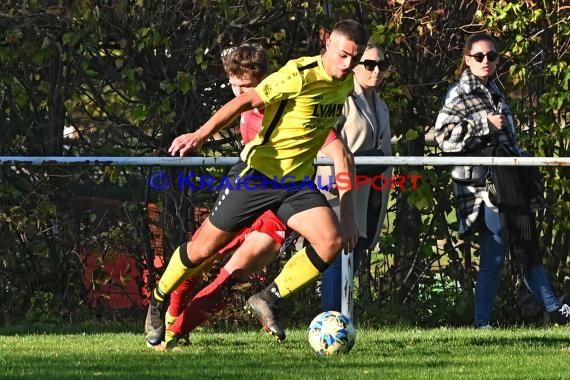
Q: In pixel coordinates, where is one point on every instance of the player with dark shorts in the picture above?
(302, 102)
(255, 246)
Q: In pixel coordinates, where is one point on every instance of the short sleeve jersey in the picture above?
(302, 104)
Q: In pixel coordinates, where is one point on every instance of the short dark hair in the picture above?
(245, 59)
(351, 29)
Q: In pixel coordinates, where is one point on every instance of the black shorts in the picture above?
(236, 170)
(253, 193)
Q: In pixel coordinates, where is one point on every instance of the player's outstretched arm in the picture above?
(191, 142)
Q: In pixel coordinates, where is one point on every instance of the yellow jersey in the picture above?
(302, 105)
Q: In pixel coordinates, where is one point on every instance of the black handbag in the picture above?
(370, 170)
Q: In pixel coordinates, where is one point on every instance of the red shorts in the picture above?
(267, 223)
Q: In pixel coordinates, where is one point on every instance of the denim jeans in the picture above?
(331, 283)
(493, 254)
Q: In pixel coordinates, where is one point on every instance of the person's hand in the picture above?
(498, 121)
(349, 231)
(188, 142)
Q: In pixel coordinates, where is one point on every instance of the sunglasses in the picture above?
(370, 64)
(492, 56)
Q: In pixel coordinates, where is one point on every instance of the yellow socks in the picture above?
(175, 273)
(298, 272)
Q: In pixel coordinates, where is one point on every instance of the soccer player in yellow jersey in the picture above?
(302, 102)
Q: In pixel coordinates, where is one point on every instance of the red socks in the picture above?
(180, 297)
(207, 302)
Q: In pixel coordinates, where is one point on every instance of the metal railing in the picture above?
(228, 161)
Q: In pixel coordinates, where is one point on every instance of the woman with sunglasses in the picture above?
(365, 127)
(475, 120)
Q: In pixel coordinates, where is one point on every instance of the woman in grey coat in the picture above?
(365, 127)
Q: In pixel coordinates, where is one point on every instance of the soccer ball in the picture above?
(332, 333)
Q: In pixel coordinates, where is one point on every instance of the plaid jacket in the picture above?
(462, 117)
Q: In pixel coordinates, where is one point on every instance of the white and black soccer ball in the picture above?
(332, 333)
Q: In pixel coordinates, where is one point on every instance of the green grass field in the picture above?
(390, 353)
